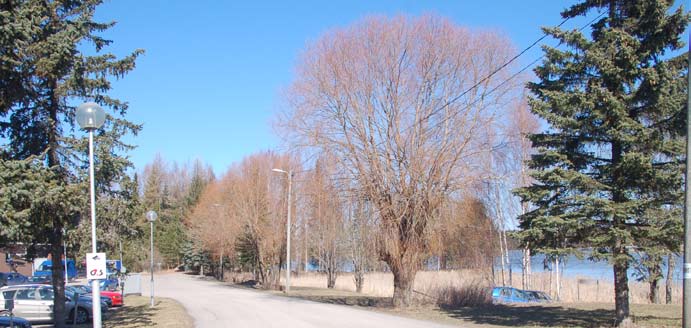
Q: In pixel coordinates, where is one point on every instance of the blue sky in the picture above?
(211, 79)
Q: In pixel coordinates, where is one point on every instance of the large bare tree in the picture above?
(404, 104)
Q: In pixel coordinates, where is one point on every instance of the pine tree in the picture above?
(611, 158)
(42, 72)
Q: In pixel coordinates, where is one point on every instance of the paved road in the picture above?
(214, 305)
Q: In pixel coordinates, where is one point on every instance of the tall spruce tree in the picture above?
(608, 171)
(43, 74)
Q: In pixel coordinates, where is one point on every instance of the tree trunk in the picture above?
(621, 291)
(507, 258)
(526, 268)
(403, 278)
(655, 277)
(58, 274)
(668, 280)
(501, 251)
(654, 292)
(557, 277)
(56, 234)
(331, 279)
(443, 262)
(359, 277)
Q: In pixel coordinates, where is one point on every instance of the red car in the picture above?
(116, 297)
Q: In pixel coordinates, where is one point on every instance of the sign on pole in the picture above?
(95, 266)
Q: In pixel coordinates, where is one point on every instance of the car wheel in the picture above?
(82, 316)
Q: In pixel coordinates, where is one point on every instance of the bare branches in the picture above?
(377, 95)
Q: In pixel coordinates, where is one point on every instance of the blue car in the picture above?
(16, 322)
(509, 295)
(110, 284)
(11, 278)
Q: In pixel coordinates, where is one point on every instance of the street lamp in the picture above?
(151, 217)
(290, 185)
(90, 116)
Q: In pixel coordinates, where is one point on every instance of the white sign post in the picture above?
(95, 266)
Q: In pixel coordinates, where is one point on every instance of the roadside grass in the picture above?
(552, 315)
(450, 297)
(548, 315)
(137, 314)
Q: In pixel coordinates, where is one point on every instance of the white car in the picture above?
(35, 303)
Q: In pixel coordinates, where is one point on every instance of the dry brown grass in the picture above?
(574, 290)
(455, 303)
(137, 314)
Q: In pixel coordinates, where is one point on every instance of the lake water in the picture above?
(573, 267)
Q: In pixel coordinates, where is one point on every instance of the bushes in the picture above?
(472, 295)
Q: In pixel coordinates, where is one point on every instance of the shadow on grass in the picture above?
(503, 315)
(539, 316)
(365, 301)
(328, 296)
(131, 316)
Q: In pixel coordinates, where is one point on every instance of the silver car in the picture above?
(35, 303)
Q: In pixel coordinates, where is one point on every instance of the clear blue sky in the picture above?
(210, 81)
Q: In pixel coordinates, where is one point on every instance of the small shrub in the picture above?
(473, 295)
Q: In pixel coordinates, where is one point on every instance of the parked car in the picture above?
(508, 295)
(538, 296)
(110, 284)
(46, 269)
(18, 322)
(38, 280)
(11, 278)
(115, 297)
(35, 303)
(105, 301)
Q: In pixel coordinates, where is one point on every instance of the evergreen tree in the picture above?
(42, 72)
(611, 159)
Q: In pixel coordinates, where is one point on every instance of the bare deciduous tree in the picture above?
(404, 104)
(523, 123)
(244, 214)
(327, 218)
(359, 225)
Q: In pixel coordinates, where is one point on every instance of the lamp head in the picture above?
(151, 216)
(90, 116)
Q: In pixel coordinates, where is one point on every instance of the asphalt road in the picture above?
(212, 304)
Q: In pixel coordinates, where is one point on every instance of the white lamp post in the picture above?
(151, 217)
(290, 185)
(90, 116)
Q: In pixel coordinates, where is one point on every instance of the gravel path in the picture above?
(212, 304)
